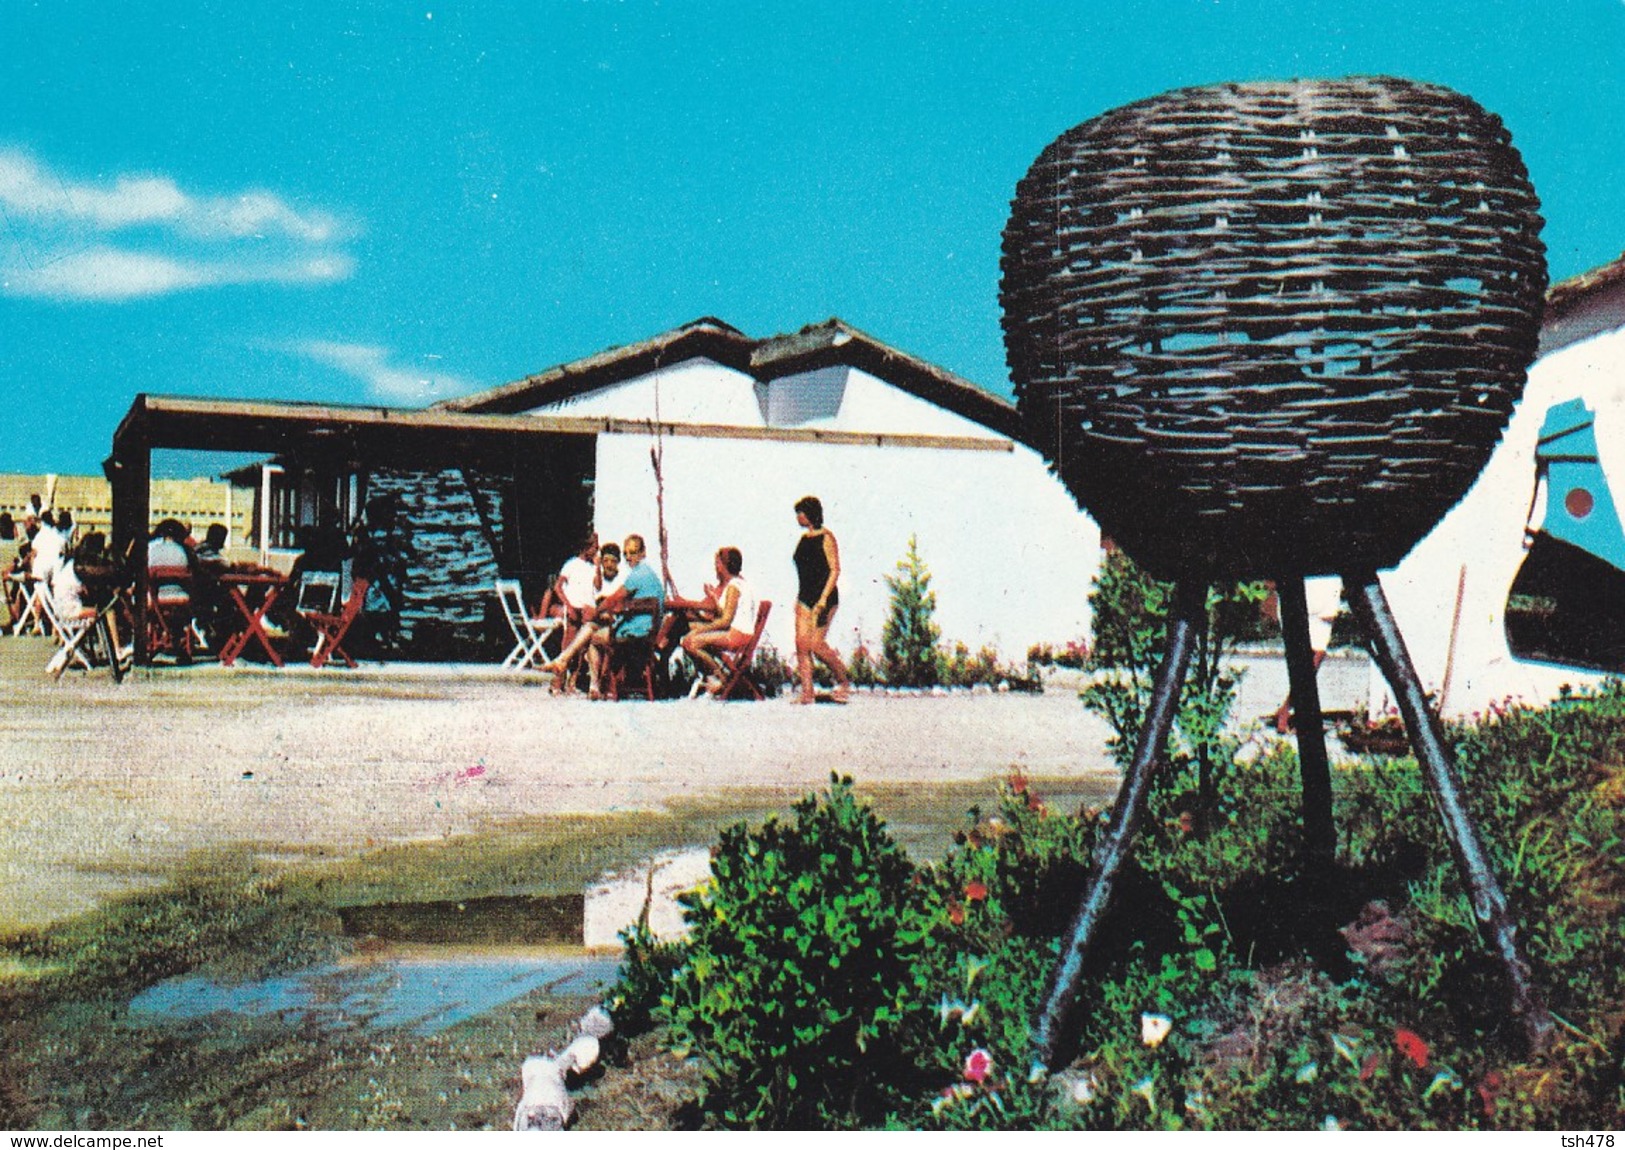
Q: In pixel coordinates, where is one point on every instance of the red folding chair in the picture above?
(169, 612)
(331, 627)
(736, 663)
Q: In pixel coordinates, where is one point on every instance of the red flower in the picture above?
(956, 912)
(1034, 803)
(975, 891)
(1489, 1090)
(1412, 1046)
(1369, 1067)
(978, 1066)
(1187, 823)
(1018, 782)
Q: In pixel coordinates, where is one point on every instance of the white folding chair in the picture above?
(37, 611)
(529, 634)
(72, 645)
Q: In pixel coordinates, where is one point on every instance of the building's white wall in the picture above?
(846, 399)
(1484, 535)
(1010, 555)
(830, 399)
(694, 391)
(875, 405)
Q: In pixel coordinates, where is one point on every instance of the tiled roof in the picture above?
(831, 343)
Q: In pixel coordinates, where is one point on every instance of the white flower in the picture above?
(1154, 1028)
(1147, 1088)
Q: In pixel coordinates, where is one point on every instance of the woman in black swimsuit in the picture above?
(818, 568)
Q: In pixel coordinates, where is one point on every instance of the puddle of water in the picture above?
(417, 993)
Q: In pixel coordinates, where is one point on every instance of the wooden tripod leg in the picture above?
(1427, 739)
(1189, 617)
(1319, 834)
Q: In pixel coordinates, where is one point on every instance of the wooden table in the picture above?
(237, 582)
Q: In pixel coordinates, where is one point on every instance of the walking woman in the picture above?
(818, 569)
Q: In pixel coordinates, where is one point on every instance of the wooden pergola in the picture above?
(373, 436)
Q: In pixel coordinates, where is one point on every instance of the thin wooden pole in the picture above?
(1319, 833)
(1427, 739)
(1190, 616)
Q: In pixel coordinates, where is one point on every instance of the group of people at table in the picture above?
(197, 599)
(609, 596)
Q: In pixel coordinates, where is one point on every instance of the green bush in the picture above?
(909, 638)
(796, 975)
(647, 966)
(832, 983)
(861, 668)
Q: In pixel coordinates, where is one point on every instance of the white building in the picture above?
(1450, 594)
(893, 447)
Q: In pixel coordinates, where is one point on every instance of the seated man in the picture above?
(574, 593)
(729, 627)
(167, 550)
(212, 549)
(214, 611)
(169, 556)
(634, 605)
(605, 583)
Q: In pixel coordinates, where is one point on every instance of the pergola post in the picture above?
(129, 472)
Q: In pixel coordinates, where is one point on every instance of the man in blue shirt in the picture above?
(641, 583)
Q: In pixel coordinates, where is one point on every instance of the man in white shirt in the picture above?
(49, 543)
(577, 584)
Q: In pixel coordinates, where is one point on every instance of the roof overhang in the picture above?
(419, 438)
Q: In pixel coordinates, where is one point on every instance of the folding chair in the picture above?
(319, 592)
(736, 663)
(76, 638)
(169, 612)
(529, 633)
(36, 607)
(331, 627)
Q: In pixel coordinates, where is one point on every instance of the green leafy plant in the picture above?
(1074, 653)
(770, 670)
(647, 966)
(1229, 989)
(909, 637)
(796, 976)
(1131, 612)
(861, 667)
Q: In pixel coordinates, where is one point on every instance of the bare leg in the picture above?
(831, 657)
(597, 659)
(583, 636)
(1427, 739)
(806, 640)
(1189, 614)
(695, 643)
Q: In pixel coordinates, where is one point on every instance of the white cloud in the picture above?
(385, 379)
(112, 274)
(143, 235)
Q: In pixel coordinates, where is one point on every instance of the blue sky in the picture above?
(392, 202)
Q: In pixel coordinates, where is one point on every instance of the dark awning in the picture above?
(400, 436)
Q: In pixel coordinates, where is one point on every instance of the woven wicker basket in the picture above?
(1273, 328)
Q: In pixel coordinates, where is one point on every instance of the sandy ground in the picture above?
(103, 783)
(106, 785)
